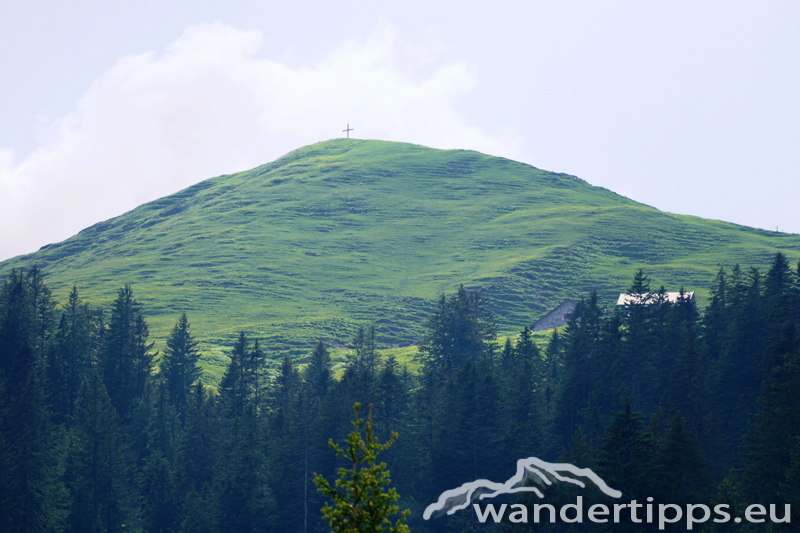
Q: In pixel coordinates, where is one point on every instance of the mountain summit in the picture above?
(348, 231)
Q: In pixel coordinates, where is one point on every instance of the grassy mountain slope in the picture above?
(349, 231)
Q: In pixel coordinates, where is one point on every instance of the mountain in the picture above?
(347, 232)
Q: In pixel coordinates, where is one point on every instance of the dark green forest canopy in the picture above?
(345, 232)
(662, 399)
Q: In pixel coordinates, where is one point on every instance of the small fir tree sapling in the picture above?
(361, 503)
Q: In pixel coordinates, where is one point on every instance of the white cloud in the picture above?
(209, 105)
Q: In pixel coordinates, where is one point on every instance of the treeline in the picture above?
(100, 433)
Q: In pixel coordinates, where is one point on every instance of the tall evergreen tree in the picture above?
(738, 371)
(99, 470)
(233, 388)
(782, 305)
(195, 446)
(72, 354)
(462, 328)
(684, 470)
(317, 374)
(127, 359)
(161, 512)
(32, 496)
(244, 502)
(581, 340)
(715, 318)
(17, 318)
(524, 402)
(179, 364)
(774, 430)
(43, 306)
(365, 353)
(626, 458)
(255, 374)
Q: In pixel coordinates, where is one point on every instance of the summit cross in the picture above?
(348, 130)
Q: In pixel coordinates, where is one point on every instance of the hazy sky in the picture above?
(691, 107)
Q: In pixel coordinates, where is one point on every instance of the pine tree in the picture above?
(774, 430)
(17, 318)
(739, 373)
(462, 328)
(127, 359)
(162, 423)
(524, 402)
(255, 373)
(100, 466)
(715, 318)
(782, 304)
(627, 454)
(285, 388)
(391, 408)
(685, 477)
(195, 447)
(363, 344)
(160, 503)
(730, 493)
(639, 363)
(243, 501)
(179, 364)
(233, 385)
(197, 513)
(581, 341)
(43, 306)
(391, 393)
(32, 496)
(318, 372)
(71, 356)
(361, 503)
(290, 425)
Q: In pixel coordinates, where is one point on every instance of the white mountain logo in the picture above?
(532, 470)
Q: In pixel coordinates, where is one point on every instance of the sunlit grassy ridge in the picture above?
(347, 232)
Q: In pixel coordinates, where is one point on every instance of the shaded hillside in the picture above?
(349, 231)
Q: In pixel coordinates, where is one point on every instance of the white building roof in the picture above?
(672, 297)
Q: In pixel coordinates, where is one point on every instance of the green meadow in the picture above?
(349, 232)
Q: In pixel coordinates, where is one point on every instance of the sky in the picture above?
(690, 107)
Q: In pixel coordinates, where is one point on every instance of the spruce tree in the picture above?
(127, 360)
(626, 458)
(524, 402)
(233, 385)
(361, 502)
(160, 511)
(43, 306)
(255, 374)
(243, 501)
(100, 466)
(195, 446)
(317, 374)
(581, 340)
(71, 357)
(684, 470)
(17, 318)
(179, 364)
(365, 353)
(461, 328)
(32, 497)
(730, 493)
(197, 514)
(774, 430)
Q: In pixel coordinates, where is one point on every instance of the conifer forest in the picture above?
(99, 432)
